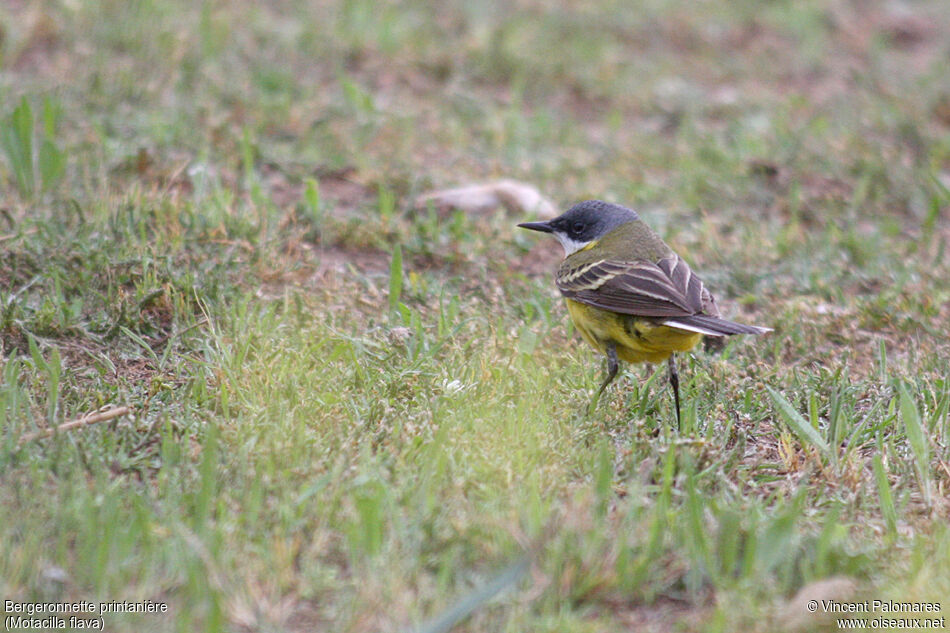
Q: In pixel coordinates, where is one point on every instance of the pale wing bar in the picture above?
(683, 278)
(663, 289)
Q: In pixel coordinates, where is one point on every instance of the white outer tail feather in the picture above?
(707, 332)
(692, 328)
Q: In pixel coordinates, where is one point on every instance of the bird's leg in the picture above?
(675, 382)
(612, 366)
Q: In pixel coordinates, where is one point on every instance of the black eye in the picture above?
(578, 227)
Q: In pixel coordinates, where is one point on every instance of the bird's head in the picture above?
(584, 223)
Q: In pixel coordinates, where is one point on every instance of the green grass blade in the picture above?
(17, 139)
(697, 528)
(52, 113)
(887, 500)
(395, 278)
(36, 355)
(142, 343)
(917, 439)
(312, 195)
(52, 164)
(802, 428)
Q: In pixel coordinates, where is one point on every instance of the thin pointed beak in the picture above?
(544, 227)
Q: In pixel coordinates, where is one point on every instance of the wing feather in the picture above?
(667, 288)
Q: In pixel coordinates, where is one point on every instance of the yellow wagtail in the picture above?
(630, 296)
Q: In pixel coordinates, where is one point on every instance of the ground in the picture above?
(353, 412)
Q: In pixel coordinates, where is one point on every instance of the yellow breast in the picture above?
(638, 339)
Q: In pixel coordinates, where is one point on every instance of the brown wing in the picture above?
(667, 288)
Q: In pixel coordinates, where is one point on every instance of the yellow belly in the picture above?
(638, 339)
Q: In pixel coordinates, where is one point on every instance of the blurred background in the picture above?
(354, 410)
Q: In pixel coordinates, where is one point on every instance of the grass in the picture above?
(351, 414)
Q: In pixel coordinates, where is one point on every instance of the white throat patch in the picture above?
(570, 246)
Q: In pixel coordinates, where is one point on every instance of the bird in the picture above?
(631, 297)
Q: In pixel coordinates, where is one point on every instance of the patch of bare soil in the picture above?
(343, 186)
(338, 260)
(40, 47)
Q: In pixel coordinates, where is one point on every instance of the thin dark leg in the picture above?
(612, 366)
(675, 381)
